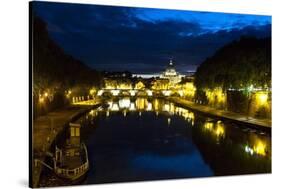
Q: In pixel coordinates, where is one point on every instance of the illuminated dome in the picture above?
(170, 70)
(171, 74)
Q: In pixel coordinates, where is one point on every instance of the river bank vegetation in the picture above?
(237, 78)
(57, 76)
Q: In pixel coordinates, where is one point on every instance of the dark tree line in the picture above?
(239, 64)
(52, 65)
(57, 71)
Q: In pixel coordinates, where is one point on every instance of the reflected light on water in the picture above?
(249, 150)
(115, 107)
(166, 107)
(149, 106)
(156, 105)
(260, 148)
(219, 131)
(124, 103)
(140, 103)
(132, 106)
(124, 113)
(169, 121)
(209, 126)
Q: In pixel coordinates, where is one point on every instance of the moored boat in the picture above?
(71, 161)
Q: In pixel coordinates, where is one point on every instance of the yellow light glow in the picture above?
(216, 96)
(156, 104)
(132, 107)
(139, 85)
(141, 103)
(262, 97)
(132, 92)
(92, 91)
(149, 92)
(115, 92)
(166, 108)
(100, 92)
(41, 100)
(149, 106)
(46, 94)
(260, 148)
(124, 86)
(115, 107)
(208, 125)
(219, 130)
(189, 89)
(180, 93)
(166, 92)
(124, 103)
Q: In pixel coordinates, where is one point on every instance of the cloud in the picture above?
(117, 38)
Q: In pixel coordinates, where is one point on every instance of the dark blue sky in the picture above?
(142, 40)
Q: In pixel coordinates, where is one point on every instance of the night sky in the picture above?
(142, 40)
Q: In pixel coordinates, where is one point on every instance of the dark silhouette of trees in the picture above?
(55, 71)
(239, 69)
(239, 64)
(52, 66)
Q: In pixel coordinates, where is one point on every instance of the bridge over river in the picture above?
(138, 92)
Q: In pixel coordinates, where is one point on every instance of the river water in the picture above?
(149, 139)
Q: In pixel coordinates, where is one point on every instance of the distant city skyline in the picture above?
(143, 40)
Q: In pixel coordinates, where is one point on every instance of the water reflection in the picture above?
(137, 138)
(257, 146)
(143, 104)
(253, 144)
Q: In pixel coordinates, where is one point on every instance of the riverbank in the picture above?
(261, 123)
(45, 130)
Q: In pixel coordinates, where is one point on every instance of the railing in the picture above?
(77, 171)
(73, 172)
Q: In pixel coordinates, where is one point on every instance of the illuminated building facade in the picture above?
(171, 74)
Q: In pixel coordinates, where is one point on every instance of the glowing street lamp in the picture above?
(262, 97)
(41, 100)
